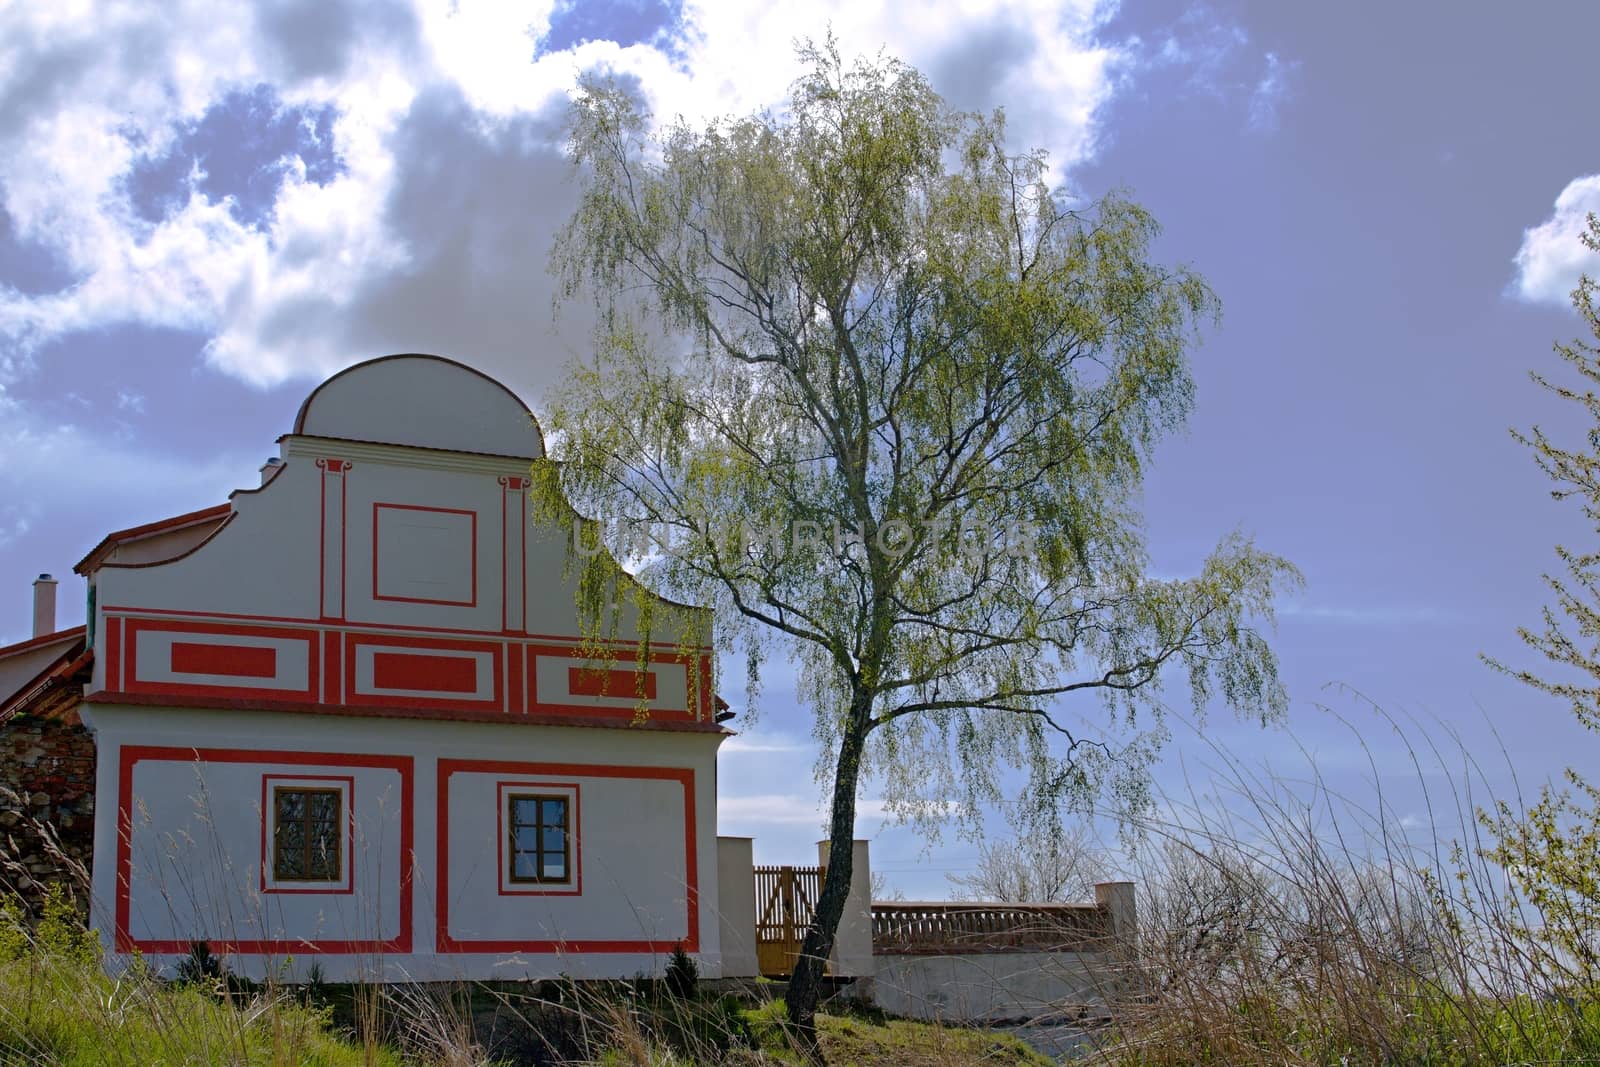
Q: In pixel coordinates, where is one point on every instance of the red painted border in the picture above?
(624, 655)
(573, 830)
(332, 668)
(495, 649)
(401, 711)
(505, 576)
(682, 775)
(331, 664)
(134, 684)
(516, 695)
(472, 601)
(130, 755)
(513, 488)
(349, 879)
(114, 653)
(362, 627)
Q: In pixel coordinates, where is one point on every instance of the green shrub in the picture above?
(683, 974)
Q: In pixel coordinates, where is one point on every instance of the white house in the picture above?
(344, 716)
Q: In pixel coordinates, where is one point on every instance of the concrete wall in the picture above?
(736, 901)
(994, 987)
(1005, 985)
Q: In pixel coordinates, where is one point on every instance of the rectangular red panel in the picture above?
(234, 661)
(601, 682)
(434, 674)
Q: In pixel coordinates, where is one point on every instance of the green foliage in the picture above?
(58, 1006)
(316, 984)
(954, 376)
(61, 932)
(1551, 851)
(15, 939)
(57, 932)
(866, 384)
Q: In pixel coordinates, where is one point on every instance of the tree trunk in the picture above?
(805, 984)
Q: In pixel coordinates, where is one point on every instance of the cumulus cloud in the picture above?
(1552, 257)
(406, 175)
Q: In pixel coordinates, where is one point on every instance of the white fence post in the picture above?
(736, 907)
(852, 947)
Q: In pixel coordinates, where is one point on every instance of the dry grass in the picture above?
(1284, 923)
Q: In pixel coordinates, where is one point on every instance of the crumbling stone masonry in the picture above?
(46, 806)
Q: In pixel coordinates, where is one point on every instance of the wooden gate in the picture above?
(786, 899)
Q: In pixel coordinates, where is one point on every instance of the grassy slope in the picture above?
(871, 1038)
(60, 1010)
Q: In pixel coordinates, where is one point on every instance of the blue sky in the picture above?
(205, 208)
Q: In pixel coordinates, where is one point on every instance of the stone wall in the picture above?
(47, 783)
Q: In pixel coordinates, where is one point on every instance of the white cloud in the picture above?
(1215, 57)
(787, 809)
(753, 743)
(1372, 614)
(1551, 256)
(1271, 92)
(435, 234)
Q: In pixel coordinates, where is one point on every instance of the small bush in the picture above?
(683, 974)
(199, 965)
(60, 932)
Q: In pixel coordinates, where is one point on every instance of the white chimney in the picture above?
(269, 468)
(44, 605)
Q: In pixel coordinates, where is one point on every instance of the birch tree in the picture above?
(870, 388)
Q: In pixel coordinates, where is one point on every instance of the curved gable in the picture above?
(424, 402)
(390, 565)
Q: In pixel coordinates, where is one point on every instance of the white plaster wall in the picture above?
(424, 401)
(268, 561)
(618, 846)
(20, 668)
(993, 987)
(162, 545)
(736, 901)
(263, 563)
(196, 851)
(370, 482)
(629, 851)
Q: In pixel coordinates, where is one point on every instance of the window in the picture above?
(307, 834)
(540, 846)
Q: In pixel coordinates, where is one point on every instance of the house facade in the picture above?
(348, 717)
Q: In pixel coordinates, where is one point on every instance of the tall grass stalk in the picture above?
(1283, 921)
